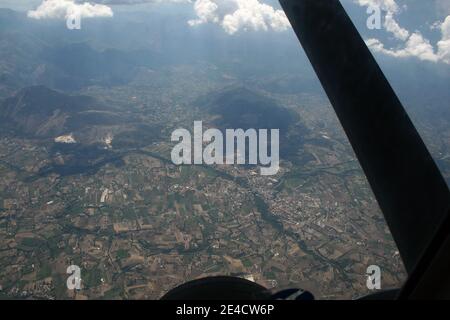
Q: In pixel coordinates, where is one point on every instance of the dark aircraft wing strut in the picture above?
(407, 184)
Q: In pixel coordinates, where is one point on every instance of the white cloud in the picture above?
(393, 27)
(231, 15)
(413, 43)
(62, 9)
(443, 45)
(416, 46)
(236, 15)
(207, 11)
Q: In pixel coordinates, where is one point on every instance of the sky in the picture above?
(234, 16)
